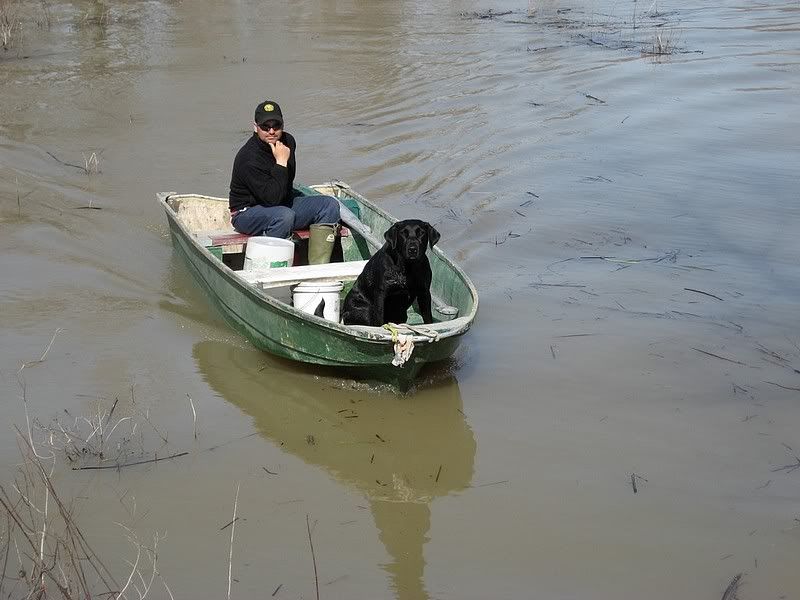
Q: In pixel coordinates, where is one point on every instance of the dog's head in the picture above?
(410, 238)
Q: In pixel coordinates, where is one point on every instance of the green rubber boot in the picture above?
(320, 243)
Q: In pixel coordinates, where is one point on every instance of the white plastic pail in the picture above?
(268, 253)
(307, 297)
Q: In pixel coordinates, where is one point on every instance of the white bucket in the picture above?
(264, 252)
(307, 297)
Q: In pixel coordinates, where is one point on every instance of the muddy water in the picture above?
(630, 222)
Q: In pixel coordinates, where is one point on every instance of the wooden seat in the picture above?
(233, 241)
(327, 273)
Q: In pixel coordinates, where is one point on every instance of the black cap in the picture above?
(268, 110)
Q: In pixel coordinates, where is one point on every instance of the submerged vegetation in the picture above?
(43, 550)
(10, 24)
(650, 32)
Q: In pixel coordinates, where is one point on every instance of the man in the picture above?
(262, 200)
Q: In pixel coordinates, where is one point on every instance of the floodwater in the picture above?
(630, 221)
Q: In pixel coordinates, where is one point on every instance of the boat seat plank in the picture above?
(327, 273)
(234, 241)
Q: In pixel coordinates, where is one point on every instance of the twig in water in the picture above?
(44, 354)
(91, 163)
(491, 483)
(733, 588)
(228, 524)
(194, 415)
(634, 477)
(704, 293)
(764, 350)
(736, 362)
(111, 412)
(313, 557)
(66, 164)
(785, 387)
(552, 351)
(276, 589)
(138, 462)
(233, 530)
(268, 471)
(791, 466)
(439, 472)
(590, 97)
(146, 417)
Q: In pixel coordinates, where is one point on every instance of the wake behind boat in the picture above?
(258, 302)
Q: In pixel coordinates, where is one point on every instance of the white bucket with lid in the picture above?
(308, 296)
(264, 252)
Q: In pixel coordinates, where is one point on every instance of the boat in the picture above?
(257, 302)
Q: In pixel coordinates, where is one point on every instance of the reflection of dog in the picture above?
(396, 275)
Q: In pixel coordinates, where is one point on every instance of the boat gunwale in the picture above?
(379, 335)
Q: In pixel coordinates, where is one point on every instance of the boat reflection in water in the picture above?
(399, 452)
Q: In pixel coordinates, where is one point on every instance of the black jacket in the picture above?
(258, 179)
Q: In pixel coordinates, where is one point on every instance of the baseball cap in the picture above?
(268, 110)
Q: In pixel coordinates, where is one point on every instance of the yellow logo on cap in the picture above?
(269, 107)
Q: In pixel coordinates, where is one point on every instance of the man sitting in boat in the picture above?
(262, 199)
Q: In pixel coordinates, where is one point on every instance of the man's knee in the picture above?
(329, 213)
(282, 222)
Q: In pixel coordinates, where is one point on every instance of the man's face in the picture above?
(269, 132)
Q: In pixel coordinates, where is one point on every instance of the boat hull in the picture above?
(281, 330)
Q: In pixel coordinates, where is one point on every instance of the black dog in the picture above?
(396, 275)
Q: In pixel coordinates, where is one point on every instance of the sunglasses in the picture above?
(274, 125)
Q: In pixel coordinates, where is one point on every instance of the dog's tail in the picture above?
(320, 310)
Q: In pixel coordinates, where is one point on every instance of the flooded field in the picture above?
(619, 179)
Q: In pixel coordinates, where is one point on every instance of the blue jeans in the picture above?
(280, 221)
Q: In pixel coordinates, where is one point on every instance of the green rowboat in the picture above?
(257, 302)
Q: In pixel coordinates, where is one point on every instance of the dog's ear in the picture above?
(391, 236)
(433, 235)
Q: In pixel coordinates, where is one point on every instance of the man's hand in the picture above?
(281, 152)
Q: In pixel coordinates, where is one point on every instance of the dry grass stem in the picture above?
(10, 24)
(52, 556)
(91, 163)
(194, 415)
(45, 21)
(233, 531)
(313, 557)
(58, 555)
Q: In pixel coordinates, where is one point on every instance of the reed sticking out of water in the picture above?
(44, 552)
(45, 21)
(313, 556)
(91, 163)
(90, 166)
(233, 531)
(194, 415)
(733, 588)
(663, 43)
(9, 23)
